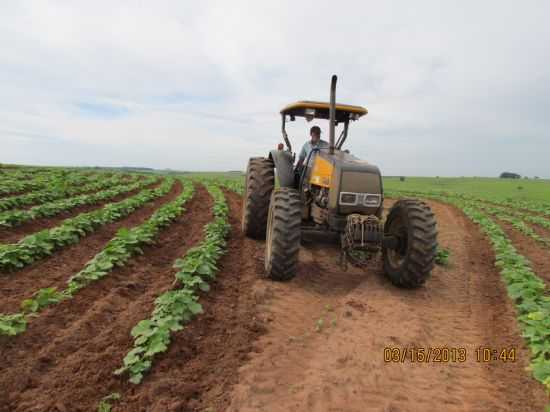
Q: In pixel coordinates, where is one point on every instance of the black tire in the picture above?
(411, 263)
(260, 181)
(283, 234)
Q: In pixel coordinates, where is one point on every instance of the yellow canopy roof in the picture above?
(343, 111)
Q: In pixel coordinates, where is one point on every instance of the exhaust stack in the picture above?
(332, 112)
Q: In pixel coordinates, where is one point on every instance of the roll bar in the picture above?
(332, 113)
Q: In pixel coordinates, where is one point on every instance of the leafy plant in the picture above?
(41, 299)
(63, 187)
(176, 307)
(105, 403)
(442, 256)
(117, 252)
(12, 325)
(17, 217)
(45, 242)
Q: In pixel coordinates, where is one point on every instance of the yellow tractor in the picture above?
(334, 193)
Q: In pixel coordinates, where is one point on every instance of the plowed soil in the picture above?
(337, 363)
(315, 343)
(16, 233)
(56, 269)
(199, 370)
(541, 231)
(538, 255)
(65, 361)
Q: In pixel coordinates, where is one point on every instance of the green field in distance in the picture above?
(483, 187)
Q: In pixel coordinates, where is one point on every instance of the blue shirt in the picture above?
(308, 147)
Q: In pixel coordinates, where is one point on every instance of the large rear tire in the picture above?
(260, 181)
(413, 223)
(283, 234)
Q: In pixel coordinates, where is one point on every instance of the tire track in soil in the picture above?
(200, 367)
(341, 367)
(56, 269)
(538, 255)
(65, 361)
(16, 233)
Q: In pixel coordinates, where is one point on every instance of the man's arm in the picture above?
(302, 156)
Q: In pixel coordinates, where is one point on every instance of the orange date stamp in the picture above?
(425, 355)
(446, 354)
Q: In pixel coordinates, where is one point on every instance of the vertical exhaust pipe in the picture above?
(332, 113)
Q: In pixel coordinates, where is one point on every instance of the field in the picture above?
(486, 188)
(129, 291)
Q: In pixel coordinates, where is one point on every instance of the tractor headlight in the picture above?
(348, 199)
(372, 200)
(365, 199)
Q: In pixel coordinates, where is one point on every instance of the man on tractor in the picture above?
(314, 143)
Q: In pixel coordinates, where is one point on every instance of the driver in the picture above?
(314, 143)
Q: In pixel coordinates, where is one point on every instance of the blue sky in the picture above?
(453, 89)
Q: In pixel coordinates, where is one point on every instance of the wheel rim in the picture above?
(397, 256)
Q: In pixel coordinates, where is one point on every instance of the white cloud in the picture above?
(452, 88)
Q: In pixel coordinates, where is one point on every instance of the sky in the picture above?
(452, 88)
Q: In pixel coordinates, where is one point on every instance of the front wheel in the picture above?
(411, 261)
(283, 234)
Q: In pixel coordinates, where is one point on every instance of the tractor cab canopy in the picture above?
(321, 110)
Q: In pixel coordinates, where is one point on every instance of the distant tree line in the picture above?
(509, 175)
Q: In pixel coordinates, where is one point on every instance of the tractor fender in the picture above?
(284, 167)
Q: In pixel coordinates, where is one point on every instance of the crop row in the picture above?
(514, 204)
(19, 183)
(177, 306)
(46, 242)
(526, 216)
(12, 218)
(514, 217)
(516, 222)
(525, 288)
(62, 190)
(117, 252)
(235, 185)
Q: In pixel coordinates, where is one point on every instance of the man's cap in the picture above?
(315, 129)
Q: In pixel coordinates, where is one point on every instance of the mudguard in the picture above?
(284, 167)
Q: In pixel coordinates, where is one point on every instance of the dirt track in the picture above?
(340, 366)
(260, 345)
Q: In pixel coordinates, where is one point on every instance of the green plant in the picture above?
(442, 256)
(13, 324)
(46, 242)
(16, 217)
(105, 403)
(63, 187)
(319, 325)
(41, 299)
(117, 252)
(176, 307)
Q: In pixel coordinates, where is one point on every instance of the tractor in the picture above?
(337, 195)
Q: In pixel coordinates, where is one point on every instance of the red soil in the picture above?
(65, 361)
(56, 269)
(16, 233)
(259, 347)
